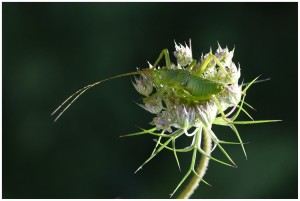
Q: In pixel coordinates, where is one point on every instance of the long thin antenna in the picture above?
(78, 93)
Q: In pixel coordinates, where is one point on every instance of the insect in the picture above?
(186, 83)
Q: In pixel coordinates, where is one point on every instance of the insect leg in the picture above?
(165, 53)
(207, 61)
(192, 65)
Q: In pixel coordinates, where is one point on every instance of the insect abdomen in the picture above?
(202, 88)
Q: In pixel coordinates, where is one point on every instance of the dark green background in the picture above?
(52, 49)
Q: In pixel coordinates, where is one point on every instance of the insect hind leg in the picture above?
(165, 53)
(207, 61)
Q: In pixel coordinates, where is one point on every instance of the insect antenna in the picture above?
(70, 100)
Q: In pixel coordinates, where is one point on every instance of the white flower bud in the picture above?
(153, 105)
(183, 54)
(143, 85)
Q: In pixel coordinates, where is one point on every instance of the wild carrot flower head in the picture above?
(174, 105)
(188, 98)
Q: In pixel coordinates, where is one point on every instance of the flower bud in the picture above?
(183, 54)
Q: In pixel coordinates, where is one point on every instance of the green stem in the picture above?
(201, 169)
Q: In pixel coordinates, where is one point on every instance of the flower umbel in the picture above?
(189, 98)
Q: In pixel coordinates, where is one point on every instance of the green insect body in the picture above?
(199, 88)
(203, 88)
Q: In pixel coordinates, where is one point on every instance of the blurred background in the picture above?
(52, 49)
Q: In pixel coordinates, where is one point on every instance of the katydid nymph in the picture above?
(182, 79)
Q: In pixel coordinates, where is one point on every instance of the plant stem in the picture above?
(201, 169)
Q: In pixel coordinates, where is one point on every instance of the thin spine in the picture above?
(247, 104)
(156, 145)
(246, 113)
(255, 122)
(176, 133)
(188, 149)
(175, 154)
(239, 138)
(216, 141)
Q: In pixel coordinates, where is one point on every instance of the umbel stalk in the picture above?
(201, 169)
